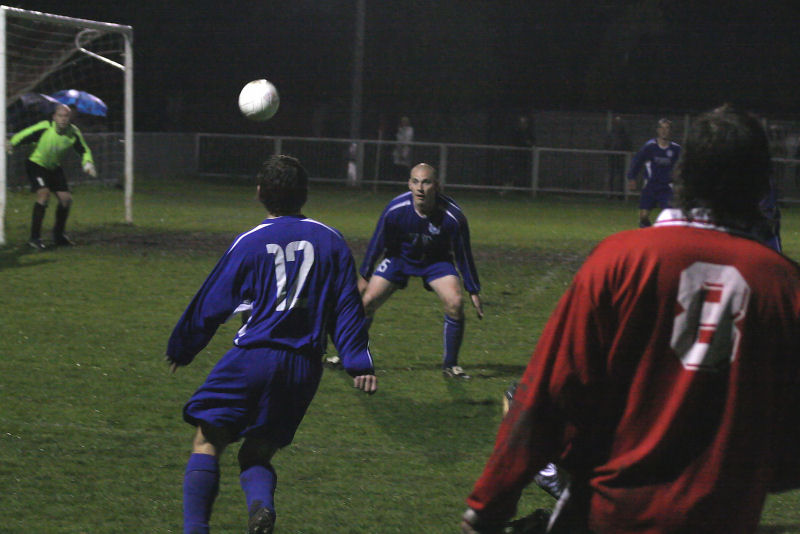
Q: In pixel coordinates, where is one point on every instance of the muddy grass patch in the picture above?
(136, 240)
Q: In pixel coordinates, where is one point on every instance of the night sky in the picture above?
(450, 56)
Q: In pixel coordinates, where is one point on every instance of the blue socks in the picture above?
(201, 484)
(258, 483)
(453, 335)
(200, 487)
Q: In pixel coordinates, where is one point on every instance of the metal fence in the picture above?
(490, 167)
(540, 169)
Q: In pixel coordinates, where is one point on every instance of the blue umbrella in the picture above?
(83, 101)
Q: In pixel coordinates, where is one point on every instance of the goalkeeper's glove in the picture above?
(89, 169)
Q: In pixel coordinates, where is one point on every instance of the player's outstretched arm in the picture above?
(476, 302)
(366, 383)
(362, 284)
(173, 365)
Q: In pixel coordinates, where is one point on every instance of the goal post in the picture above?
(42, 53)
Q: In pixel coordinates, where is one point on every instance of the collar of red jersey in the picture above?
(701, 218)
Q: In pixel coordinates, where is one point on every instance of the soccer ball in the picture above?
(259, 100)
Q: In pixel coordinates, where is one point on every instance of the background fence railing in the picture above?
(489, 167)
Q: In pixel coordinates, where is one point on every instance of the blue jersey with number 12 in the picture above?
(297, 279)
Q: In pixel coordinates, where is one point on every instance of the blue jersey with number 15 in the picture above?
(443, 236)
(297, 279)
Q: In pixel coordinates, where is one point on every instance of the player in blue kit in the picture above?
(657, 157)
(769, 229)
(423, 233)
(296, 279)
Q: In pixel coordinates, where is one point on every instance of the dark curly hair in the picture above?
(283, 185)
(724, 167)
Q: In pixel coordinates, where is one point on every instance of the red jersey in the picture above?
(667, 382)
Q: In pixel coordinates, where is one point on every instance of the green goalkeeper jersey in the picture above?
(51, 146)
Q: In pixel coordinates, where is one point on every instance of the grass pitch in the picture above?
(91, 436)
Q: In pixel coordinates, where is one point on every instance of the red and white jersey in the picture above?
(667, 382)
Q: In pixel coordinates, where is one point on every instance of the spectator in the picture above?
(522, 137)
(617, 138)
(352, 164)
(401, 155)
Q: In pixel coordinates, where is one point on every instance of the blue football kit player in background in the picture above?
(296, 278)
(423, 233)
(657, 157)
(769, 230)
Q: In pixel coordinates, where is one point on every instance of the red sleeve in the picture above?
(554, 396)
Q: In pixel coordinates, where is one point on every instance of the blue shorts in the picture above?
(257, 392)
(652, 197)
(397, 271)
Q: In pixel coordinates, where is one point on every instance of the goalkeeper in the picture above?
(53, 138)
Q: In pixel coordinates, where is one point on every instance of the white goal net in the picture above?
(44, 55)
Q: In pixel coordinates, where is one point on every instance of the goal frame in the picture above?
(127, 67)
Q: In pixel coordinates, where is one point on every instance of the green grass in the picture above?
(91, 435)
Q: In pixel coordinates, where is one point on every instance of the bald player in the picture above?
(424, 233)
(53, 138)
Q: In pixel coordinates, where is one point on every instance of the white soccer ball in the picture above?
(259, 100)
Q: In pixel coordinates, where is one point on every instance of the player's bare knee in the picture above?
(201, 445)
(42, 196)
(454, 307)
(210, 439)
